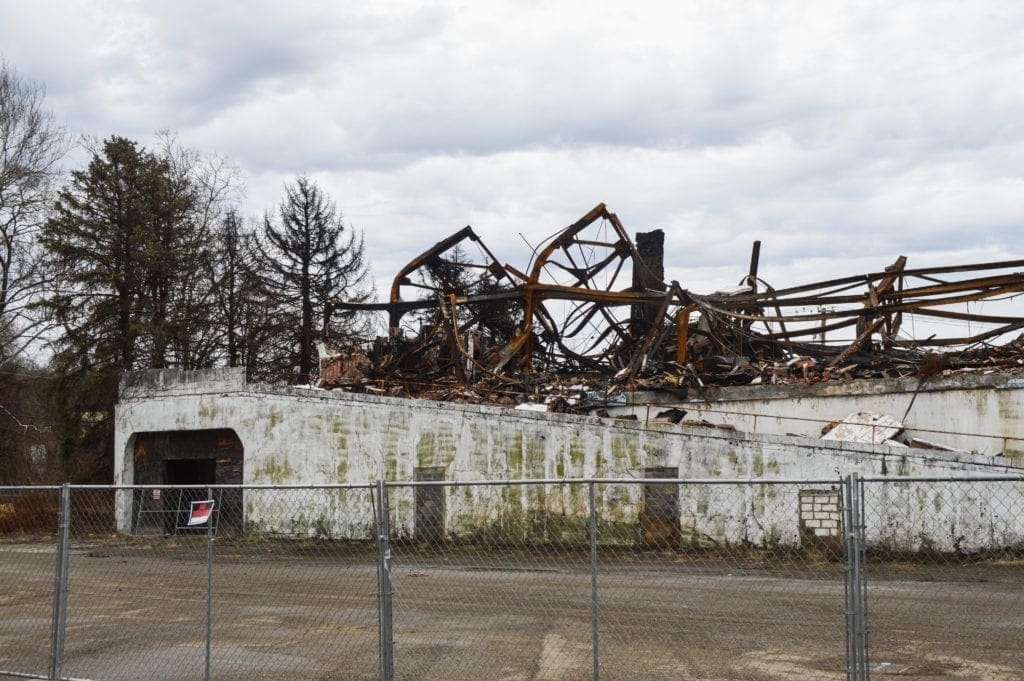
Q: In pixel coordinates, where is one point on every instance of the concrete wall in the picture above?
(302, 436)
(973, 412)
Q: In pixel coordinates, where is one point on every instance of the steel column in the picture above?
(60, 591)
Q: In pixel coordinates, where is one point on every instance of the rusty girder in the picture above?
(579, 269)
(570, 312)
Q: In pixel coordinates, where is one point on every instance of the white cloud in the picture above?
(840, 134)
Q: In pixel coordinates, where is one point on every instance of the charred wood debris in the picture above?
(591, 319)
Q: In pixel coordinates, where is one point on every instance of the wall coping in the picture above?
(231, 383)
(841, 388)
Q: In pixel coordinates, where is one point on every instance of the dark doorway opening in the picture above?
(659, 518)
(191, 471)
(195, 458)
(430, 501)
(179, 501)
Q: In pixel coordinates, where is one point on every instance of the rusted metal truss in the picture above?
(590, 305)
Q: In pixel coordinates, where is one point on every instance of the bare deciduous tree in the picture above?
(214, 186)
(32, 145)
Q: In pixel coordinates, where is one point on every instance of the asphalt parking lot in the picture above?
(138, 611)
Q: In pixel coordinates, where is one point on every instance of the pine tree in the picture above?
(122, 242)
(308, 256)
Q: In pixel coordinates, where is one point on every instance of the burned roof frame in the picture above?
(482, 321)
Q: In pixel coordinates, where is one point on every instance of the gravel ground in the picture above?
(137, 610)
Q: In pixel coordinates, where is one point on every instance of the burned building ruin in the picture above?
(592, 316)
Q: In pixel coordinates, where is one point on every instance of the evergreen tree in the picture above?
(122, 241)
(308, 256)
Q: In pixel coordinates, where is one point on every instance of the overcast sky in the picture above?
(841, 135)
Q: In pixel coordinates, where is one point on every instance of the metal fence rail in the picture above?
(654, 578)
(29, 577)
(946, 596)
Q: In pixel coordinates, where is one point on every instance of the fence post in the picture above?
(387, 653)
(862, 591)
(60, 590)
(856, 638)
(593, 582)
(209, 582)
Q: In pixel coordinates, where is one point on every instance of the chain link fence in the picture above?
(654, 578)
(946, 591)
(29, 523)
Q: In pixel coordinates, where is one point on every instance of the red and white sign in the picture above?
(200, 512)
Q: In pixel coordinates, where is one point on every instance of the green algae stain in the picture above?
(1008, 410)
(703, 500)
(514, 453)
(426, 450)
(208, 410)
(624, 450)
(618, 533)
(341, 434)
(390, 466)
(577, 456)
(274, 417)
(444, 444)
(533, 457)
(275, 472)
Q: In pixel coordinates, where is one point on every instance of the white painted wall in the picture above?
(973, 412)
(299, 436)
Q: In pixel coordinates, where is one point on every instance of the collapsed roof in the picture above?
(593, 306)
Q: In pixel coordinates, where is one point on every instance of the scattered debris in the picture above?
(870, 428)
(670, 415)
(704, 423)
(350, 366)
(920, 443)
(591, 318)
(865, 427)
(891, 668)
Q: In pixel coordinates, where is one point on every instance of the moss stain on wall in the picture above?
(274, 472)
(577, 456)
(625, 452)
(533, 456)
(208, 410)
(274, 417)
(426, 449)
(444, 445)
(341, 433)
(514, 453)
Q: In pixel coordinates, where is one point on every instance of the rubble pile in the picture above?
(591, 317)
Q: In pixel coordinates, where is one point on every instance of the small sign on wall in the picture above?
(200, 512)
